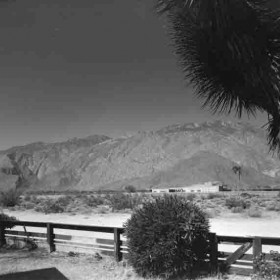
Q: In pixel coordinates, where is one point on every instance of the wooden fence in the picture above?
(114, 244)
(238, 261)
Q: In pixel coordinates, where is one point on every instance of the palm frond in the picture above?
(273, 129)
(230, 51)
(163, 6)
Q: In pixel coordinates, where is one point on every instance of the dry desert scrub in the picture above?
(215, 204)
(10, 198)
(82, 202)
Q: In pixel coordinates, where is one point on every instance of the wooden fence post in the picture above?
(117, 244)
(50, 237)
(257, 249)
(2, 235)
(213, 252)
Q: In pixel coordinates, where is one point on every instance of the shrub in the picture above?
(27, 197)
(190, 196)
(267, 270)
(273, 206)
(7, 218)
(49, 206)
(277, 207)
(10, 198)
(35, 199)
(39, 208)
(254, 212)
(93, 201)
(245, 195)
(261, 203)
(65, 200)
(237, 202)
(237, 209)
(130, 189)
(255, 199)
(210, 205)
(27, 205)
(270, 206)
(120, 201)
(203, 197)
(213, 195)
(167, 237)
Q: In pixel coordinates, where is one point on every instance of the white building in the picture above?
(206, 187)
(160, 190)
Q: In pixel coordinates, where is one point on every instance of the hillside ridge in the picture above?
(179, 154)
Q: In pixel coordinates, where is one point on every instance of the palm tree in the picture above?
(237, 170)
(230, 52)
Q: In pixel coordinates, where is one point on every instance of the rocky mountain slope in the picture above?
(177, 155)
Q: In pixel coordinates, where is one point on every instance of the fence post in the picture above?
(213, 252)
(117, 245)
(2, 235)
(50, 237)
(257, 249)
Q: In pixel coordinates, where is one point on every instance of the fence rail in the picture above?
(238, 261)
(116, 245)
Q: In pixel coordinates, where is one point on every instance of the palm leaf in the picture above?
(230, 51)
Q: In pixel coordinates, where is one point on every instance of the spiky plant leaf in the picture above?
(230, 51)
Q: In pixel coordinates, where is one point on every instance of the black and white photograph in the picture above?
(139, 139)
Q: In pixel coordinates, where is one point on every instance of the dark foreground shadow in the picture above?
(39, 274)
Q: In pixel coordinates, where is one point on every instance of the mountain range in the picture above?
(176, 155)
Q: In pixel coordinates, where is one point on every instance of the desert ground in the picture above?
(230, 224)
(77, 267)
(224, 219)
(87, 267)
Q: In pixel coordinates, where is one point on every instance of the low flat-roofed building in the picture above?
(203, 187)
(196, 188)
(160, 190)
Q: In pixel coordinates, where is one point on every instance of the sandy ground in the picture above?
(80, 267)
(233, 225)
(109, 219)
(228, 224)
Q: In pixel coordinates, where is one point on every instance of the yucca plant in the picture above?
(230, 52)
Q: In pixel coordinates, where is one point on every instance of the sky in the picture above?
(74, 68)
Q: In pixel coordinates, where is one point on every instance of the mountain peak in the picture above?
(179, 153)
(193, 126)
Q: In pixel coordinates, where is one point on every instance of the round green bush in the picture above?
(167, 237)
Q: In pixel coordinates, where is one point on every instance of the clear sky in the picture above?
(73, 68)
